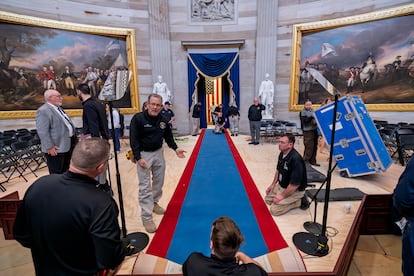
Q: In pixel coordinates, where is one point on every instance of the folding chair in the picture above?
(278, 128)
(9, 133)
(292, 128)
(405, 144)
(26, 137)
(388, 136)
(8, 161)
(37, 156)
(266, 131)
(21, 154)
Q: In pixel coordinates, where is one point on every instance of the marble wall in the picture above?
(139, 14)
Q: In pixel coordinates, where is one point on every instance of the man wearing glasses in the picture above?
(148, 130)
(56, 132)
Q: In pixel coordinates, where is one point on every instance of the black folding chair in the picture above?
(21, 153)
(405, 144)
(37, 156)
(8, 161)
(388, 136)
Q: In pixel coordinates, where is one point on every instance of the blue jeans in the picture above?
(117, 144)
(408, 248)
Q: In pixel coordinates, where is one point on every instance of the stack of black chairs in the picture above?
(20, 154)
(270, 130)
(398, 138)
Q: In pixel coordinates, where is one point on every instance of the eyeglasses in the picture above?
(58, 96)
(154, 105)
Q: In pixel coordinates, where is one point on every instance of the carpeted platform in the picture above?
(216, 184)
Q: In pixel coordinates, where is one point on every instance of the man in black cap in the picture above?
(168, 114)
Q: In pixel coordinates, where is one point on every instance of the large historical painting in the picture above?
(370, 55)
(38, 54)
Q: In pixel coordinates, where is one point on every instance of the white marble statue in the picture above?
(161, 88)
(266, 92)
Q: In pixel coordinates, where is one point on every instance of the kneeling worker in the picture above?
(288, 186)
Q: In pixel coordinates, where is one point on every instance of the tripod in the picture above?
(137, 241)
(310, 243)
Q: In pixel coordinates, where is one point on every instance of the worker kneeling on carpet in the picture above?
(220, 122)
(287, 190)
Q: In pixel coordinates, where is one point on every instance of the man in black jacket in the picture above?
(94, 122)
(255, 117)
(71, 226)
(148, 130)
(233, 116)
(196, 118)
(310, 133)
(94, 119)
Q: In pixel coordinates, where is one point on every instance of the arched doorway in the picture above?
(213, 78)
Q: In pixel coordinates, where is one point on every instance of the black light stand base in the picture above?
(311, 244)
(136, 242)
(313, 227)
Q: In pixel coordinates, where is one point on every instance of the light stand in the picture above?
(137, 241)
(312, 226)
(317, 245)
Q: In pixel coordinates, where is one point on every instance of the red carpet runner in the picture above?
(270, 233)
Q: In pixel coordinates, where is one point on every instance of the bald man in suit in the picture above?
(56, 132)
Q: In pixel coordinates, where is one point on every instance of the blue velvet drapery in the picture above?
(213, 66)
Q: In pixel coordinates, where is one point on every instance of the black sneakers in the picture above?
(304, 204)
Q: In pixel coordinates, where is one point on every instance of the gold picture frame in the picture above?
(33, 43)
(337, 47)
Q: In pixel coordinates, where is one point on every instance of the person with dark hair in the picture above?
(225, 259)
(148, 130)
(310, 133)
(288, 186)
(233, 116)
(218, 109)
(168, 113)
(71, 226)
(403, 202)
(196, 118)
(94, 119)
(95, 123)
(220, 123)
(144, 106)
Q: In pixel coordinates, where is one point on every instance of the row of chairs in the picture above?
(20, 154)
(398, 138)
(271, 130)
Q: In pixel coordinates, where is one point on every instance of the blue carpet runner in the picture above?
(215, 183)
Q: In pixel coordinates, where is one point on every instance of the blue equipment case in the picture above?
(358, 148)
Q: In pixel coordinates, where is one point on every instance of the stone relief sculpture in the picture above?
(212, 10)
